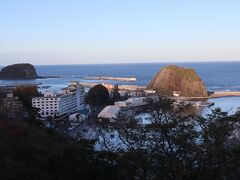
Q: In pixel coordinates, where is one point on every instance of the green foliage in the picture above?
(185, 72)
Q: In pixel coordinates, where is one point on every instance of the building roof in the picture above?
(109, 112)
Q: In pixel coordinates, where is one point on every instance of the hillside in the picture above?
(174, 78)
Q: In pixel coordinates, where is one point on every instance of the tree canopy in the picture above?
(176, 146)
(26, 93)
(97, 95)
(173, 146)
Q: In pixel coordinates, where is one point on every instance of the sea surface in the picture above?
(217, 76)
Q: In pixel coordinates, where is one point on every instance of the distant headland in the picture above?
(23, 71)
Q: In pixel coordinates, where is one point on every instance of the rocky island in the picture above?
(183, 81)
(18, 71)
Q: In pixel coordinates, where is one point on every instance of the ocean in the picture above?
(217, 76)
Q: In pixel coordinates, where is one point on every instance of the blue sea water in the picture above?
(218, 76)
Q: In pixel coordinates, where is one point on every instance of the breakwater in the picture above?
(219, 94)
(216, 94)
(125, 79)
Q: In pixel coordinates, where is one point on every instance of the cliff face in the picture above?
(18, 71)
(174, 78)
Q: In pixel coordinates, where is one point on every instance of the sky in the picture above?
(118, 31)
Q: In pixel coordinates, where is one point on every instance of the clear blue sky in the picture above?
(118, 31)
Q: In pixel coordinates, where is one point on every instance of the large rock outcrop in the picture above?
(174, 78)
(18, 71)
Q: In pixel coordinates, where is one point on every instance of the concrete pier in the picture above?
(219, 94)
(216, 94)
(125, 79)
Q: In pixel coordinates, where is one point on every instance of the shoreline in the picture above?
(30, 79)
(216, 94)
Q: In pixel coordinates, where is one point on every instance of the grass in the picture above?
(186, 72)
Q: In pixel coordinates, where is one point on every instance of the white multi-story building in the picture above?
(70, 100)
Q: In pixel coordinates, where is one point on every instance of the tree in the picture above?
(116, 94)
(97, 95)
(25, 94)
(176, 146)
(37, 153)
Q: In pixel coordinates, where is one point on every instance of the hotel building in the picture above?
(68, 101)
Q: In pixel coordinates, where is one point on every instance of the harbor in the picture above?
(124, 79)
(111, 86)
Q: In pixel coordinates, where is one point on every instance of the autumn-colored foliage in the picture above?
(26, 93)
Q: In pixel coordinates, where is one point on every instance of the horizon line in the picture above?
(119, 63)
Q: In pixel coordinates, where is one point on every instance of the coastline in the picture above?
(215, 94)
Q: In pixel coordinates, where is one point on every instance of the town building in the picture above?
(68, 101)
(109, 112)
(77, 118)
(150, 93)
(177, 93)
(131, 102)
